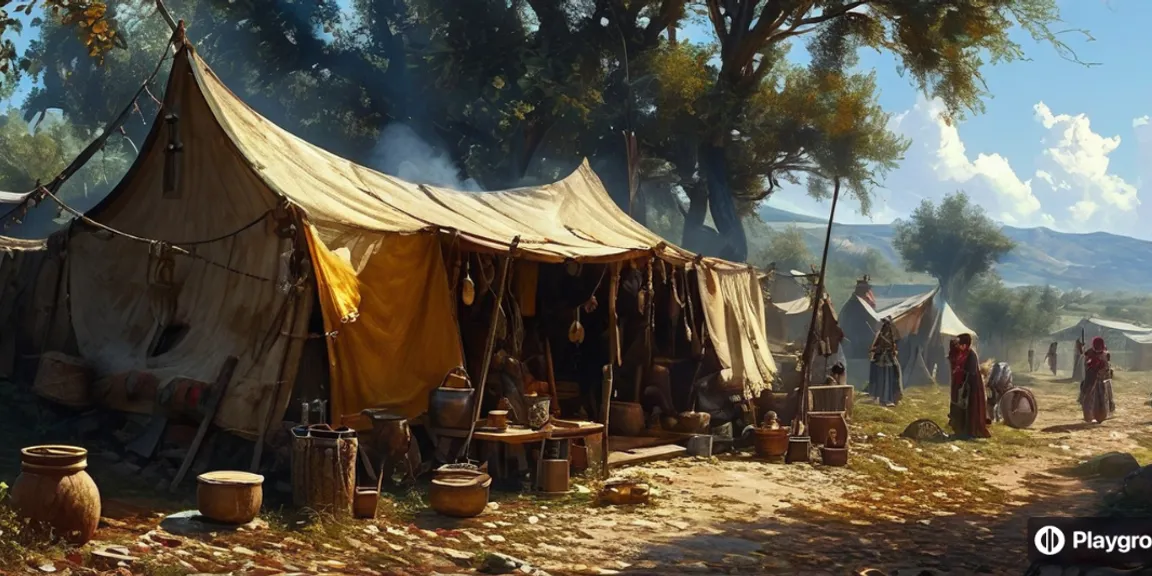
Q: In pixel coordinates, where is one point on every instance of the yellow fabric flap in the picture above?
(405, 338)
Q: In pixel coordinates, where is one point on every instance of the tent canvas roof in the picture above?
(951, 325)
(571, 219)
(797, 306)
(1097, 324)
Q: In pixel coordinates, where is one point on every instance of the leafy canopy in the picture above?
(953, 242)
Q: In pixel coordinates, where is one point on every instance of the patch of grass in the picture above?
(18, 543)
(149, 567)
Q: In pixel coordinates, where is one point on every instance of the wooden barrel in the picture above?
(625, 419)
(55, 494)
(64, 380)
(324, 469)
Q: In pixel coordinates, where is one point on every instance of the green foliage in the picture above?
(953, 242)
(1006, 315)
(31, 154)
(788, 249)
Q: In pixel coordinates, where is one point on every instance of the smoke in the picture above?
(400, 152)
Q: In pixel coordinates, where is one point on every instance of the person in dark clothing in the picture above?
(968, 414)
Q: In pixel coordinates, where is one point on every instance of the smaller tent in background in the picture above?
(1129, 343)
(924, 323)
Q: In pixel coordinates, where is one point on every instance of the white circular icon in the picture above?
(1049, 540)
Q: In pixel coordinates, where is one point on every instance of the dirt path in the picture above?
(954, 507)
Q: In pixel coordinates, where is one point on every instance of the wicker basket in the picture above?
(64, 380)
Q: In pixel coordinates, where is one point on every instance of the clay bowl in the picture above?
(230, 497)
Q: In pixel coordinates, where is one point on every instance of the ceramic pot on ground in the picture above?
(771, 443)
(56, 494)
(229, 497)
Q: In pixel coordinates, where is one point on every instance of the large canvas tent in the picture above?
(227, 228)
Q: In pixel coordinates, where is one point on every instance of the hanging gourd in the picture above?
(576, 330)
(468, 291)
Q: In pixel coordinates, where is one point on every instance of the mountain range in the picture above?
(1098, 262)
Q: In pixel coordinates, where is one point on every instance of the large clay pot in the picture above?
(459, 493)
(55, 493)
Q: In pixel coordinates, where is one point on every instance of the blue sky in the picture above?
(1060, 144)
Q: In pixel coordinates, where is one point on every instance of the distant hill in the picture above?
(1093, 262)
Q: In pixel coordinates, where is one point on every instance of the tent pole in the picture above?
(490, 342)
(817, 300)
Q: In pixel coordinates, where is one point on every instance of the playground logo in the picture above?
(1111, 542)
(1049, 540)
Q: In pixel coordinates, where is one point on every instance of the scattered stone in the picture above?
(496, 538)
(533, 520)
(497, 563)
(891, 465)
(1110, 465)
(1138, 485)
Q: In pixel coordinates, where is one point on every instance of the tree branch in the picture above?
(669, 13)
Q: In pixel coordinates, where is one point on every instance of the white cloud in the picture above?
(1070, 187)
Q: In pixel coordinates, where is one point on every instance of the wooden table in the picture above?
(496, 446)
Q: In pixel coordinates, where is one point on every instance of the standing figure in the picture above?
(999, 382)
(1096, 388)
(885, 381)
(1078, 361)
(968, 413)
(1031, 359)
(1050, 357)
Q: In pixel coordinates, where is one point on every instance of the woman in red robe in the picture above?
(968, 413)
(1096, 388)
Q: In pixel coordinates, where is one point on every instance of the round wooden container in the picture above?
(834, 456)
(229, 497)
(770, 443)
(54, 493)
(64, 380)
(625, 419)
(554, 476)
(364, 506)
(498, 419)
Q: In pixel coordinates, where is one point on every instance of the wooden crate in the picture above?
(835, 398)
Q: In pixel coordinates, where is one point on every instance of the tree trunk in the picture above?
(714, 168)
(696, 237)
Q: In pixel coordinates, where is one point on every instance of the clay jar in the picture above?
(55, 493)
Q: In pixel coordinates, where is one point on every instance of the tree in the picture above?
(942, 46)
(788, 250)
(31, 154)
(954, 242)
(1006, 316)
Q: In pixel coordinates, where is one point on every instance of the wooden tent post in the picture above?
(802, 409)
(490, 342)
